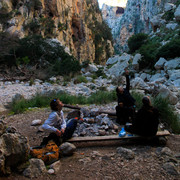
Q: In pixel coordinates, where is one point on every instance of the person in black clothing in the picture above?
(146, 120)
(126, 103)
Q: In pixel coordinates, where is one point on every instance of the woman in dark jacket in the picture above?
(146, 120)
(126, 102)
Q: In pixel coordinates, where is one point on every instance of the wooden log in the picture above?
(110, 113)
(114, 137)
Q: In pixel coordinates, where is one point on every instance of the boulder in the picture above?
(126, 153)
(171, 26)
(169, 7)
(170, 168)
(118, 69)
(112, 60)
(14, 150)
(177, 14)
(67, 149)
(160, 64)
(164, 92)
(172, 64)
(135, 62)
(138, 83)
(35, 169)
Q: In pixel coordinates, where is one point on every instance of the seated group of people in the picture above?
(144, 122)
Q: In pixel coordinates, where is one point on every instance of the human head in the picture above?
(146, 101)
(56, 105)
(119, 90)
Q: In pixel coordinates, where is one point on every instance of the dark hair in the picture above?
(146, 101)
(54, 105)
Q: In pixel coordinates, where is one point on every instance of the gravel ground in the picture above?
(100, 162)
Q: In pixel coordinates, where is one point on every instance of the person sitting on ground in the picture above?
(146, 120)
(56, 124)
(126, 103)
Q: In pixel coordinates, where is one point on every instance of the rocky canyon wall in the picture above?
(72, 22)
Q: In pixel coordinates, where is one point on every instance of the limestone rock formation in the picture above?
(76, 24)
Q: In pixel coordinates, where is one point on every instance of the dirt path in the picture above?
(101, 163)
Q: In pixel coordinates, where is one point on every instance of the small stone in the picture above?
(36, 122)
(51, 171)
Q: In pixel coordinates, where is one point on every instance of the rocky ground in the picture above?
(140, 160)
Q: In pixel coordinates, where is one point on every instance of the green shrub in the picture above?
(169, 50)
(80, 79)
(148, 52)
(136, 41)
(47, 25)
(177, 3)
(33, 26)
(68, 65)
(40, 100)
(100, 72)
(138, 97)
(169, 15)
(167, 114)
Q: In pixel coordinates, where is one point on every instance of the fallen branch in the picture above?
(110, 113)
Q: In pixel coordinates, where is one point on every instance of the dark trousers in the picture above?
(70, 128)
(123, 114)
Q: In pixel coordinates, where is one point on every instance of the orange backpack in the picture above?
(49, 153)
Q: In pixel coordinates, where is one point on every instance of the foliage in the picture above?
(68, 65)
(40, 100)
(170, 50)
(36, 50)
(80, 79)
(177, 3)
(169, 15)
(8, 44)
(85, 63)
(148, 51)
(167, 113)
(136, 41)
(100, 72)
(33, 26)
(48, 26)
(23, 60)
(138, 97)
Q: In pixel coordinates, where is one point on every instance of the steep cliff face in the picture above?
(136, 18)
(112, 15)
(72, 22)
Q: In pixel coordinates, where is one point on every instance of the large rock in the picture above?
(118, 68)
(67, 149)
(169, 7)
(14, 150)
(138, 83)
(172, 64)
(171, 26)
(177, 13)
(35, 169)
(135, 62)
(126, 153)
(160, 64)
(164, 92)
(112, 60)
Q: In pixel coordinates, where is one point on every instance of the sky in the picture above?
(121, 3)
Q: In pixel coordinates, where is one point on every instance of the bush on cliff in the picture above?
(170, 50)
(148, 52)
(44, 53)
(136, 41)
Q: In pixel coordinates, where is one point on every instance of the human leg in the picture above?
(52, 136)
(70, 128)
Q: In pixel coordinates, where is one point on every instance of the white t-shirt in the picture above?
(55, 121)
